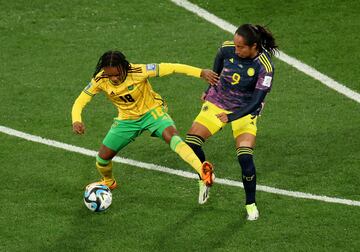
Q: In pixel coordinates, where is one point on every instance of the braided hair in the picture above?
(260, 35)
(113, 59)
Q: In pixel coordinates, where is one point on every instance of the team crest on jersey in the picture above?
(150, 67)
(205, 108)
(231, 60)
(251, 71)
(112, 93)
(131, 87)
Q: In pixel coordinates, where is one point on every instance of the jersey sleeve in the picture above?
(266, 74)
(218, 62)
(170, 68)
(222, 54)
(93, 87)
(84, 98)
(256, 103)
(78, 106)
(149, 70)
(163, 69)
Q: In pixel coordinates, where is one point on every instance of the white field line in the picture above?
(164, 169)
(308, 70)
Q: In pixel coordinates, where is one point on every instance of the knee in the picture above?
(169, 133)
(105, 154)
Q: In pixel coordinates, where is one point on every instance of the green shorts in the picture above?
(122, 132)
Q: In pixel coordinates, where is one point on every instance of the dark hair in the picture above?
(113, 59)
(260, 35)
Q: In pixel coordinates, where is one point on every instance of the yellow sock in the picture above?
(105, 171)
(186, 153)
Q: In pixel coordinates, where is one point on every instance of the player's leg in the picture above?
(204, 126)
(204, 169)
(244, 131)
(120, 135)
(171, 136)
(245, 144)
(104, 166)
(161, 125)
(196, 137)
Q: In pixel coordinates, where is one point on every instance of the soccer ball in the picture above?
(97, 197)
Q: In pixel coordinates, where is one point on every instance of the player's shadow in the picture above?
(209, 237)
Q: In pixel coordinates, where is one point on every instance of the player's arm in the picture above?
(256, 100)
(78, 106)
(170, 68)
(217, 68)
(81, 101)
(262, 87)
(218, 62)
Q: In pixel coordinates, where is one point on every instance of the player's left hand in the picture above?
(223, 117)
(210, 76)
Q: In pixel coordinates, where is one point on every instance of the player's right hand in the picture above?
(78, 128)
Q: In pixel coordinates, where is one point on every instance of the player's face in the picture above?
(114, 74)
(242, 49)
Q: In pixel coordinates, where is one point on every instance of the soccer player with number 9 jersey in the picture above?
(246, 72)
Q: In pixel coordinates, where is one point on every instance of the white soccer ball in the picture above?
(97, 197)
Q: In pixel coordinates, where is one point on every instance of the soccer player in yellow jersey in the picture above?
(140, 108)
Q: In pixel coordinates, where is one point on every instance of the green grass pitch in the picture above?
(308, 139)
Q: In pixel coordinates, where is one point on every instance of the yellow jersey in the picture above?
(135, 96)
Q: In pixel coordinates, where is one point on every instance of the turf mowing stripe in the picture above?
(154, 167)
(308, 70)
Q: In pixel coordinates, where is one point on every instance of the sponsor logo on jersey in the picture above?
(251, 71)
(231, 60)
(267, 81)
(150, 67)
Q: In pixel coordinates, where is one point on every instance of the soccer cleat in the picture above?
(204, 192)
(207, 173)
(252, 212)
(111, 183)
